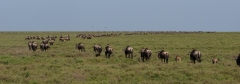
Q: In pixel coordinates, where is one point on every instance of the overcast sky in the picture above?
(120, 15)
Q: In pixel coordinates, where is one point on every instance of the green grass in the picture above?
(63, 64)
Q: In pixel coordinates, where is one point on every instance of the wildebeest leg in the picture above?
(106, 53)
(166, 60)
(126, 55)
(109, 54)
(142, 57)
(131, 55)
(30, 48)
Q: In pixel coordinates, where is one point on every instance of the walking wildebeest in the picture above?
(195, 55)
(44, 47)
(80, 46)
(214, 60)
(97, 49)
(129, 52)
(145, 54)
(108, 51)
(163, 55)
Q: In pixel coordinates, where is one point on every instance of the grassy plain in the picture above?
(63, 64)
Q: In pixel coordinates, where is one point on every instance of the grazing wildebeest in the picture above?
(129, 52)
(80, 47)
(163, 55)
(145, 54)
(178, 58)
(51, 42)
(62, 39)
(44, 47)
(238, 60)
(45, 41)
(32, 45)
(28, 37)
(97, 49)
(89, 37)
(214, 60)
(108, 51)
(195, 55)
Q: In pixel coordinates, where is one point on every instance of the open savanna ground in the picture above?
(63, 64)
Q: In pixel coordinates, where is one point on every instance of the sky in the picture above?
(120, 15)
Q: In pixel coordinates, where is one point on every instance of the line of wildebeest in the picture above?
(145, 53)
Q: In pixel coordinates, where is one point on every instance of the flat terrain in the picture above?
(63, 64)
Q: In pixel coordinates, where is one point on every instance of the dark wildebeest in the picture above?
(195, 55)
(238, 60)
(44, 47)
(214, 60)
(97, 49)
(32, 45)
(108, 51)
(89, 37)
(129, 52)
(145, 54)
(80, 47)
(163, 55)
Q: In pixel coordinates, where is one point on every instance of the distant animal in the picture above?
(80, 47)
(97, 49)
(28, 37)
(108, 51)
(45, 41)
(32, 45)
(51, 42)
(178, 58)
(163, 55)
(195, 55)
(44, 47)
(145, 54)
(238, 60)
(214, 60)
(89, 37)
(62, 39)
(129, 52)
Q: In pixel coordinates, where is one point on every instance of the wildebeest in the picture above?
(163, 55)
(214, 60)
(145, 54)
(129, 52)
(62, 39)
(80, 47)
(238, 60)
(108, 51)
(28, 37)
(51, 42)
(32, 45)
(97, 49)
(44, 47)
(45, 41)
(178, 58)
(195, 55)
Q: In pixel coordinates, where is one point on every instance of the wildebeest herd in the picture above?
(145, 53)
